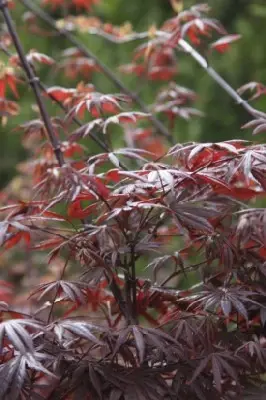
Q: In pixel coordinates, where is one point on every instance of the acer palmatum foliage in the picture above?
(94, 308)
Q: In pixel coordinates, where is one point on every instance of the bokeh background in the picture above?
(246, 61)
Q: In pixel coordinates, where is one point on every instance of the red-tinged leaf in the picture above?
(85, 130)
(132, 69)
(70, 291)
(240, 193)
(140, 134)
(223, 44)
(260, 176)
(76, 211)
(34, 56)
(60, 94)
(215, 182)
(96, 104)
(124, 118)
(16, 238)
(8, 107)
(199, 156)
(162, 73)
(12, 83)
(72, 149)
(101, 189)
(113, 175)
(201, 27)
(256, 87)
(48, 244)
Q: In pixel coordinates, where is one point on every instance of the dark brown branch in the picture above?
(35, 84)
(108, 73)
(134, 284)
(33, 81)
(93, 136)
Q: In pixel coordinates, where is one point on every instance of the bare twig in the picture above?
(35, 84)
(199, 59)
(93, 136)
(108, 73)
(33, 81)
(218, 79)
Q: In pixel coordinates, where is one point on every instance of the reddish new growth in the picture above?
(95, 309)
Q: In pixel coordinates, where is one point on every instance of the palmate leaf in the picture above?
(97, 104)
(73, 291)
(64, 329)
(201, 26)
(223, 44)
(15, 330)
(86, 130)
(15, 373)
(228, 298)
(176, 92)
(194, 218)
(67, 183)
(149, 343)
(124, 118)
(135, 383)
(220, 364)
(256, 87)
(18, 231)
(32, 57)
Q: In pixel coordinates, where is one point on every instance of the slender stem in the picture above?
(88, 53)
(75, 119)
(35, 85)
(218, 79)
(134, 285)
(33, 81)
(115, 289)
(201, 61)
(57, 292)
(215, 76)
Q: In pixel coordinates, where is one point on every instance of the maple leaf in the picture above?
(9, 79)
(256, 87)
(97, 104)
(15, 330)
(222, 45)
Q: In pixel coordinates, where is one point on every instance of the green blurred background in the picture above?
(246, 61)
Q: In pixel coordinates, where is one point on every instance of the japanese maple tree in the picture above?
(142, 268)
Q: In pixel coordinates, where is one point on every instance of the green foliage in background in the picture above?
(245, 62)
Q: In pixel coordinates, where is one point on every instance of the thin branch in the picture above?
(134, 285)
(214, 75)
(118, 40)
(88, 53)
(74, 119)
(35, 84)
(219, 79)
(33, 81)
(115, 289)
(199, 59)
